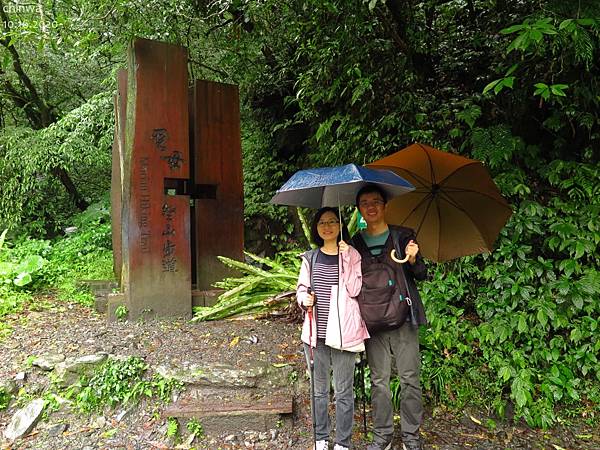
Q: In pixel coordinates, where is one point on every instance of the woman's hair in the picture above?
(314, 234)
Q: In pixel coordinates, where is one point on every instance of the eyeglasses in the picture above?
(329, 222)
(367, 204)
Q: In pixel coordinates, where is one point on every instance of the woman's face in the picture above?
(328, 226)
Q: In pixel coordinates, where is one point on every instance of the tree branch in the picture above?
(400, 31)
(46, 117)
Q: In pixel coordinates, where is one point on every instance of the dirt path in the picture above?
(50, 327)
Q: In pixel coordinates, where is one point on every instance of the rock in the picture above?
(8, 386)
(223, 375)
(251, 339)
(57, 429)
(48, 362)
(71, 370)
(24, 420)
(231, 438)
(123, 414)
(251, 436)
(98, 422)
(35, 389)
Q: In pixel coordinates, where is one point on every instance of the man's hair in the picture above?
(370, 189)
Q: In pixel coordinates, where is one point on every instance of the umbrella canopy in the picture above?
(335, 186)
(455, 209)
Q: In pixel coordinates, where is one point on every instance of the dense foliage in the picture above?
(34, 198)
(514, 84)
(32, 266)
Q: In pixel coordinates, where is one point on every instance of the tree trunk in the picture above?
(67, 182)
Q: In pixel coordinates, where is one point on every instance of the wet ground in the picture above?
(50, 327)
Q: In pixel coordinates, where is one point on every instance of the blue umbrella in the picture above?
(335, 186)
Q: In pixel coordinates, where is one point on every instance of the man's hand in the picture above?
(343, 247)
(411, 250)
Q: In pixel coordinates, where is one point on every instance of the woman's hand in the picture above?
(343, 247)
(309, 300)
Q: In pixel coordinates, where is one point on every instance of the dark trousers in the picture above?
(403, 344)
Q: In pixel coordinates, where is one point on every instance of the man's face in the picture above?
(372, 207)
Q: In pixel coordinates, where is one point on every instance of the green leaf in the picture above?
(504, 373)
(491, 85)
(586, 21)
(579, 249)
(511, 70)
(508, 82)
(22, 279)
(522, 324)
(565, 23)
(556, 90)
(536, 35)
(512, 29)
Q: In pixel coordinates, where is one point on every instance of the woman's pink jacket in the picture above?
(350, 330)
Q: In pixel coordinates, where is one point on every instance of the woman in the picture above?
(335, 330)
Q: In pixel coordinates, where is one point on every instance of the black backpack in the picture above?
(384, 305)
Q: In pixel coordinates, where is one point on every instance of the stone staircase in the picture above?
(225, 399)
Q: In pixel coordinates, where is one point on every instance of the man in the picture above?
(402, 342)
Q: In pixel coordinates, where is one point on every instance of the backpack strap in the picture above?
(311, 263)
(311, 257)
(359, 244)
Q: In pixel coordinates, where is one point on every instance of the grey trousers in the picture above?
(403, 344)
(343, 384)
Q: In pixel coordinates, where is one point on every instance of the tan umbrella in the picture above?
(456, 209)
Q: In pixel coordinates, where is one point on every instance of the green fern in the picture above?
(172, 427)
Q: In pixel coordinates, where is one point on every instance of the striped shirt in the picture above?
(325, 276)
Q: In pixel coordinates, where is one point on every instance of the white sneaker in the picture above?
(321, 445)
(340, 447)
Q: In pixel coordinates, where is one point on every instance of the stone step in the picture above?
(239, 411)
(99, 285)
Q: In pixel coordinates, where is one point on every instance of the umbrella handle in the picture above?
(399, 261)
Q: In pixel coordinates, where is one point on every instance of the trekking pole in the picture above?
(312, 374)
(364, 394)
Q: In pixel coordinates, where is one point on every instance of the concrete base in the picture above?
(113, 303)
(206, 298)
